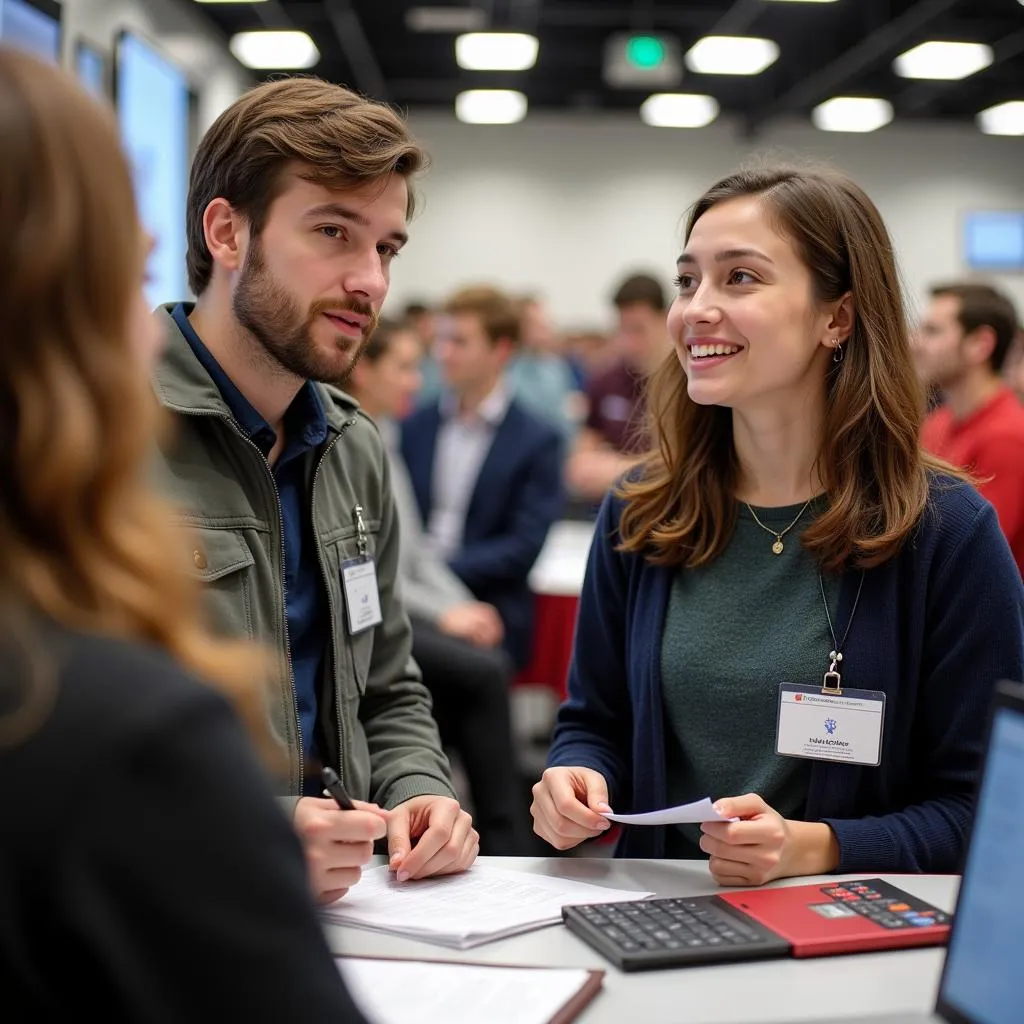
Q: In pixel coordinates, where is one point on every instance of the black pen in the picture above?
(333, 786)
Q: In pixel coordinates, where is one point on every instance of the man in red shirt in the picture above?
(960, 349)
(612, 437)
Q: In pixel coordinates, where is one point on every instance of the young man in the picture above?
(960, 348)
(297, 205)
(456, 639)
(612, 434)
(486, 473)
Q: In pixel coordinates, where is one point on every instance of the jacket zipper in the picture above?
(342, 430)
(284, 585)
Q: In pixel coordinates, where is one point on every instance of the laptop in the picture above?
(819, 919)
(981, 980)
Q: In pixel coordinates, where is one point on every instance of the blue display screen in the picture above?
(982, 980)
(153, 114)
(31, 27)
(91, 69)
(995, 240)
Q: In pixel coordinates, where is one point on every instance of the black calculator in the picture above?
(645, 934)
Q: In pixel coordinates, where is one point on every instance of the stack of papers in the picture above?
(460, 911)
(400, 991)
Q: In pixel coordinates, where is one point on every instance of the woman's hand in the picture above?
(566, 806)
(763, 845)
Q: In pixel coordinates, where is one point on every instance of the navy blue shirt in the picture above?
(305, 426)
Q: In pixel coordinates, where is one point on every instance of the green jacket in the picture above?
(374, 712)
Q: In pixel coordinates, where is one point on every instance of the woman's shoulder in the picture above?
(954, 507)
(96, 692)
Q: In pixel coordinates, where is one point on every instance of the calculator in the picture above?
(789, 920)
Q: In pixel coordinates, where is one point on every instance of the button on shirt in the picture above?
(305, 425)
(463, 441)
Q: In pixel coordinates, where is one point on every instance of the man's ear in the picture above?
(226, 234)
(506, 348)
(979, 345)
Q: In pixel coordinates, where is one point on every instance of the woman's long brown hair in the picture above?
(83, 541)
(680, 507)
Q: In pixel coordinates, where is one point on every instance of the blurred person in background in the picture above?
(960, 348)
(298, 204)
(456, 639)
(146, 872)
(785, 525)
(423, 321)
(539, 375)
(612, 433)
(588, 352)
(1013, 371)
(487, 474)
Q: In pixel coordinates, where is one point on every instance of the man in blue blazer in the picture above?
(486, 473)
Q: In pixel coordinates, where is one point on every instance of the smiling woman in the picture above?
(786, 535)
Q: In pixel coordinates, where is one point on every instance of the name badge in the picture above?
(844, 727)
(362, 598)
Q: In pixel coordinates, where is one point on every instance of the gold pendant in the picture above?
(778, 546)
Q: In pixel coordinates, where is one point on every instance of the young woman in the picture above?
(786, 529)
(146, 873)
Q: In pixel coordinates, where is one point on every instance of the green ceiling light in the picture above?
(645, 51)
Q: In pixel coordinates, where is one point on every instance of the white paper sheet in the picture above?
(398, 991)
(479, 905)
(684, 814)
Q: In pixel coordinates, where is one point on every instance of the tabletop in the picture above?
(767, 992)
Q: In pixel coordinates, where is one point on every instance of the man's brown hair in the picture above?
(499, 313)
(335, 137)
(640, 290)
(981, 305)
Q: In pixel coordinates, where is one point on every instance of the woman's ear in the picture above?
(841, 324)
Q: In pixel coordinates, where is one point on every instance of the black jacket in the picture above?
(146, 873)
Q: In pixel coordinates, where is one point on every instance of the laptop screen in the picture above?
(982, 980)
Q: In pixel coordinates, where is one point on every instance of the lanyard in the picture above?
(832, 681)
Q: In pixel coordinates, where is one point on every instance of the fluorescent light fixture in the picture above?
(943, 61)
(816, 1)
(731, 55)
(678, 110)
(230, 1)
(490, 106)
(1003, 118)
(851, 114)
(496, 51)
(277, 50)
(445, 19)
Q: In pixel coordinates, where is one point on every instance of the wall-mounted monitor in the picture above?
(153, 104)
(994, 240)
(33, 26)
(91, 69)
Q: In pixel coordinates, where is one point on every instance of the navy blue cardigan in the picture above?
(935, 628)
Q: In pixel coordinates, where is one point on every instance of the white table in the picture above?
(562, 563)
(766, 992)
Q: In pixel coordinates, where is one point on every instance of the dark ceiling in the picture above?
(846, 47)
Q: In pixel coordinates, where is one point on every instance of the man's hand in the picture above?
(474, 621)
(445, 840)
(337, 843)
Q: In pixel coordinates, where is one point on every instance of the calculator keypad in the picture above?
(668, 924)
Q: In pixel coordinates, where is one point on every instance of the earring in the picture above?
(838, 352)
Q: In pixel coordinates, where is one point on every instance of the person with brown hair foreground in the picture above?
(146, 872)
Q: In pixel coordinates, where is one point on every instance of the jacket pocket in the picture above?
(358, 653)
(222, 561)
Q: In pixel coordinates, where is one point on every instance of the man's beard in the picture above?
(270, 314)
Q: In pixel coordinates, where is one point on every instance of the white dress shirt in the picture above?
(463, 441)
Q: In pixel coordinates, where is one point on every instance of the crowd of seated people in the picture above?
(236, 511)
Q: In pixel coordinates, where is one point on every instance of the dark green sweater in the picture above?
(734, 630)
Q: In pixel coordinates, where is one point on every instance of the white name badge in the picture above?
(359, 576)
(844, 726)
